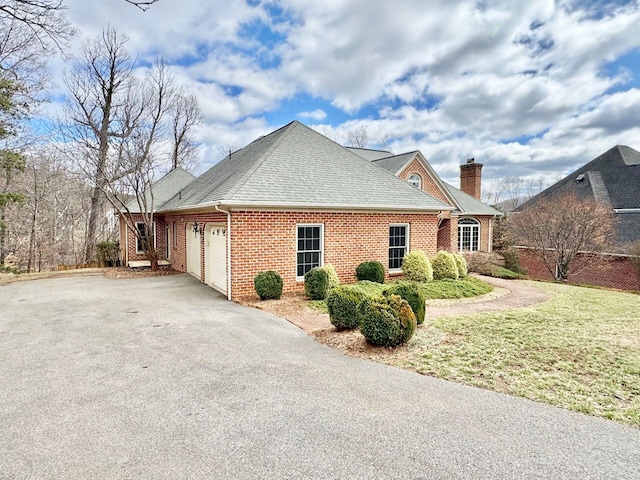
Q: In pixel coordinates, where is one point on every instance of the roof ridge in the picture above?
(392, 155)
(249, 173)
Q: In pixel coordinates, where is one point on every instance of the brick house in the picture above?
(612, 179)
(294, 199)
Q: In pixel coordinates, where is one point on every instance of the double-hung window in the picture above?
(141, 230)
(398, 245)
(309, 248)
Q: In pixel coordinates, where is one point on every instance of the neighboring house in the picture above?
(612, 179)
(294, 199)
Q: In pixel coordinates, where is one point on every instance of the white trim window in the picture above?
(140, 228)
(398, 245)
(415, 181)
(468, 235)
(309, 248)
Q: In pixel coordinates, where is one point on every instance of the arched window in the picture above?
(415, 181)
(468, 235)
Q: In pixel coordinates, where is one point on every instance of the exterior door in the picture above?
(215, 263)
(193, 251)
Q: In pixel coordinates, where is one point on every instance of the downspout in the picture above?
(228, 249)
(126, 244)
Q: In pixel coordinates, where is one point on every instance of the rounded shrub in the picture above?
(461, 263)
(372, 271)
(411, 293)
(386, 321)
(444, 266)
(334, 281)
(417, 267)
(316, 283)
(268, 285)
(342, 303)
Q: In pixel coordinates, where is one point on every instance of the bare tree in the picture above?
(185, 116)
(563, 231)
(44, 18)
(125, 131)
(358, 137)
(103, 109)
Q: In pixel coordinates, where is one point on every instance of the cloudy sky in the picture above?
(526, 87)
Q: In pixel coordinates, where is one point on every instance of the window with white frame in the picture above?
(398, 245)
(141, 230)
(468, 235)
(415, 181)
(309, 248)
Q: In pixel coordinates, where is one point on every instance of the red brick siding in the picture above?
(428, 185)
(610, 272)
(131, 239)
(267, 241)
(179, 251)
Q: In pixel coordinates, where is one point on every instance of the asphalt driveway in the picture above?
(160, 377)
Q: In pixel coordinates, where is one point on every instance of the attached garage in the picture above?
(215, 260)
(193, 250)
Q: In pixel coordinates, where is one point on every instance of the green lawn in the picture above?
(580, 350)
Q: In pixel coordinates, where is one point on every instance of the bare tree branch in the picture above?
(142, 5)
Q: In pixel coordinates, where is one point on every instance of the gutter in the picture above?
(217, 207)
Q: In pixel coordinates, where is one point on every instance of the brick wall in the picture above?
(267, 241)
(607, 271)
(131, 239)
(428, 185)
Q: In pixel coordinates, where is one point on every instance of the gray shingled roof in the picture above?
(395, 163)
(613, 178)
(164, 189)
(370, 154)
(469, 205)
(296, 166)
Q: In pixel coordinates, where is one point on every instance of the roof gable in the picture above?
(296, 166)
(164, 189)
(612, 176)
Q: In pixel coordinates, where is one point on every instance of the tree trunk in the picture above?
(97, 204)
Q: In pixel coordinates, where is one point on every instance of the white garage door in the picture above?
(193, 251)
(215, 262)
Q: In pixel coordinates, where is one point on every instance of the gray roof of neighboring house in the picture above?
(296, 166)
(613, 179)
(164, 189)
(369, 153)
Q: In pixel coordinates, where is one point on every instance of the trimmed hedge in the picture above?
(342, 303)
(386, 321)
(334, 281)
(411, 293)
(268, 285)
(461, 263)
(372, 271)
(416, 267)
(444, 266)
(316, 283)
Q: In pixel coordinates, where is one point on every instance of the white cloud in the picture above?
(317, 114)
(455, 79)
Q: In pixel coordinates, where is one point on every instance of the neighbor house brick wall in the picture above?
(609, 271)
(428, 184)
(267, 241)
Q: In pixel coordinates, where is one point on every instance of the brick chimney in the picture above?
(471, 178)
